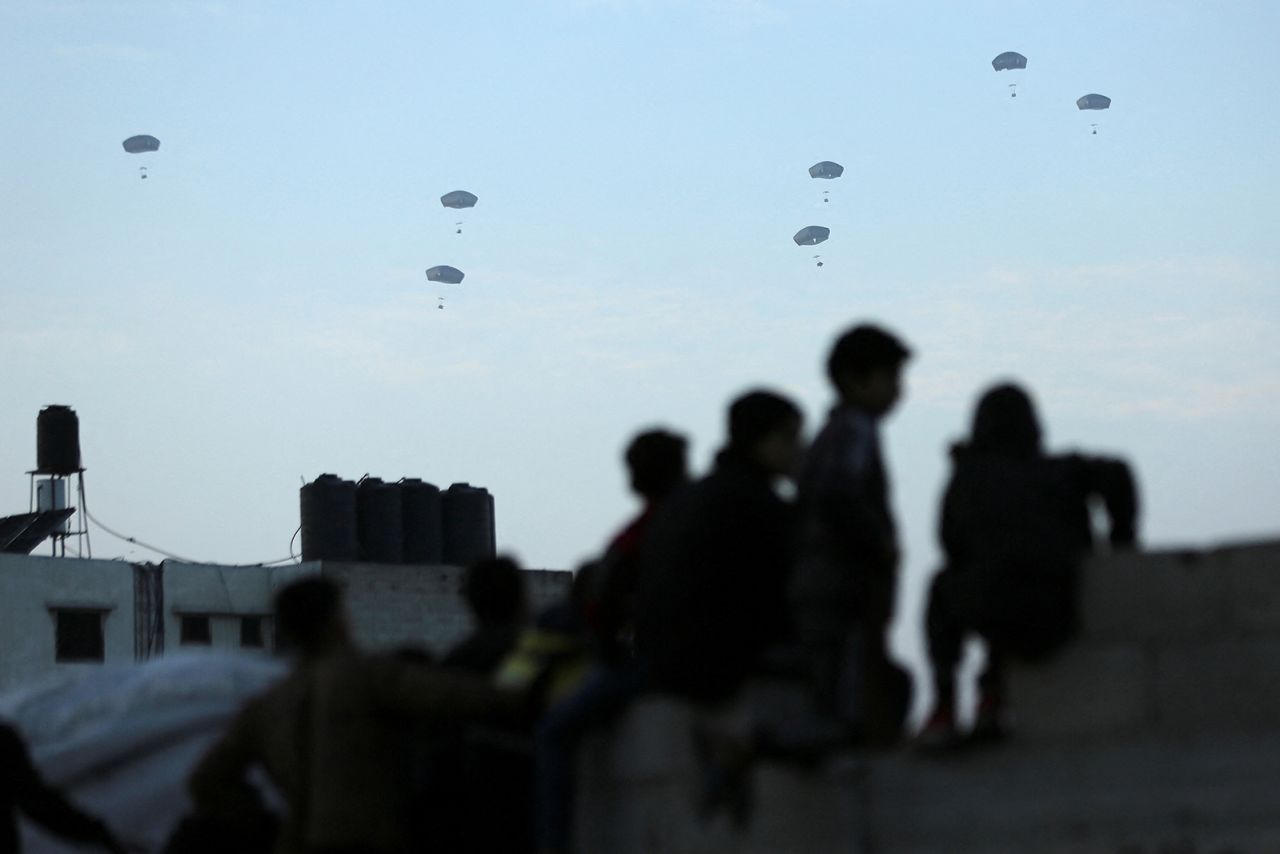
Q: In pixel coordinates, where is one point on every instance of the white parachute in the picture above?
(120, 740)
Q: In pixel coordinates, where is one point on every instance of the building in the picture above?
(63, 614)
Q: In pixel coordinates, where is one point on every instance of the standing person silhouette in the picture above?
(846, 577)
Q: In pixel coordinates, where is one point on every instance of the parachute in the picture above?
(826, 169)
(811, 235)
(140, 144)
(446, 274)
(1009, 60)
(459, 199)
(1093, 101)
(121, 739)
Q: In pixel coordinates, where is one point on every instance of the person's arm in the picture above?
(220, 785)
(1112, 480)
(431, 692)
(45, 805)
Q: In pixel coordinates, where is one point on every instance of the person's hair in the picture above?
(494, 589)
(305, 611)
(656, 461)
(862, 349)
(1005, 423)
(756, 414)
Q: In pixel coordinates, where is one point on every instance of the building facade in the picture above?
(68, 614)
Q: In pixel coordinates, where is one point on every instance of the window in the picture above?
(195, 630)
(79, 635)
(251, 632)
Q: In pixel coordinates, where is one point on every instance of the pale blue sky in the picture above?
(256, 310)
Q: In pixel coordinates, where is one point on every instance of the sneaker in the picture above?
(939, 732)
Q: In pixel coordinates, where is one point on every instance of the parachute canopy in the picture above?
(826, 169)
(121, 739)
(811, 235)
(445, 273)
(1093, 101)
(1008, 60)
(140, 144)
(459, 199)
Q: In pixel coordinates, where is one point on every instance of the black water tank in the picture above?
(468, 524)
(57, 441)
(329, 519)
(423, 523)
(380, 521)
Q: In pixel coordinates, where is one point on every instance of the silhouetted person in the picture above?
(713, 577)
(473, 783)
(23, 790)
(656, 463)
(1015, 528)
(494, 591)
(846, 579)
(328, 734)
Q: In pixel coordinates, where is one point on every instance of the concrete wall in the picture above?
(31, 588)
(1157, 732)
(1179, 643)
(392, 605)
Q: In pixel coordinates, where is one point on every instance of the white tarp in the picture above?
(121, 739)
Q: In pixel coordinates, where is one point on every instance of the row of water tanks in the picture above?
(409, 521)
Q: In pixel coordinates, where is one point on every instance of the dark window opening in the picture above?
(251, 632)
(79, 636)
(195, 630)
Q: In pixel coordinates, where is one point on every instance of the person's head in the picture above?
(865, 367)
(494, 590)
(764, 427)
(1005, 423)
(656, 460)
(309, 617)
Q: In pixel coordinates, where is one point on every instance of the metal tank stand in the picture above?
(60, 535)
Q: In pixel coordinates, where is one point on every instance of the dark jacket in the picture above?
(1018, 529)
(712, 584)
(21, 788)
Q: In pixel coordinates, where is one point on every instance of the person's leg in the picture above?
(946, 632)
(604, 692)
(989, 723)
(945, 628)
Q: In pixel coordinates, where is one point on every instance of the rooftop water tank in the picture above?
(423, 522)
(329, 519)
(57, 441)
(380, 521)
(468, 524)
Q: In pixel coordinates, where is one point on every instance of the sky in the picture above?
(255, 312)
